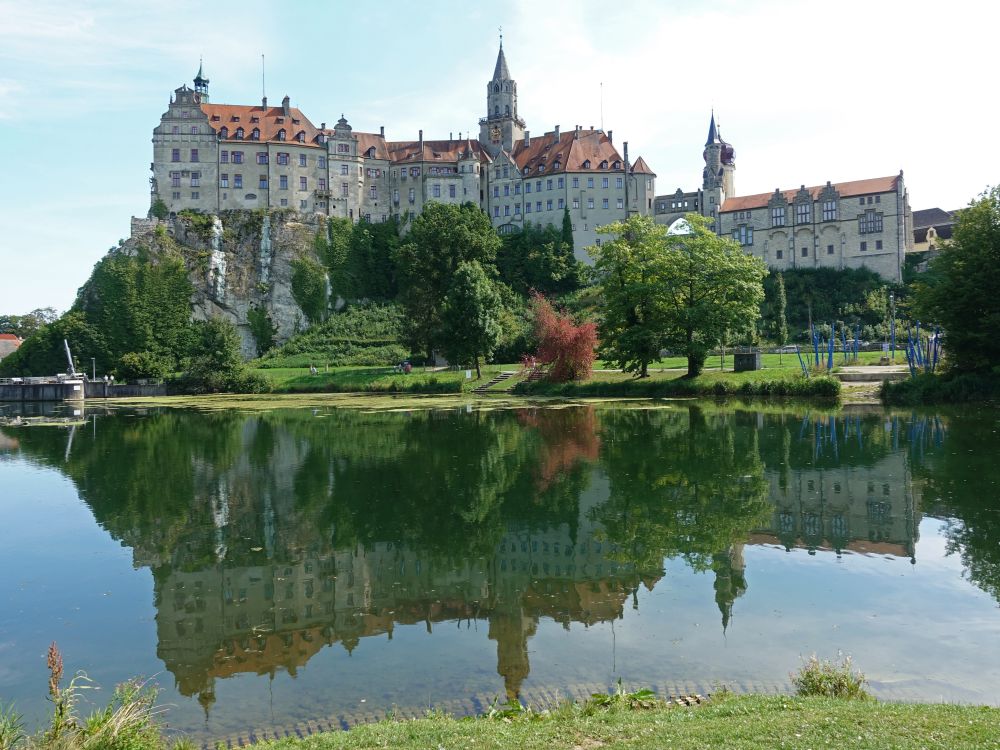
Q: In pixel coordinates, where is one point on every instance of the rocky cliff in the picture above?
(236, 261)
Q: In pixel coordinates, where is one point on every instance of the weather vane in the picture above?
(501, 35)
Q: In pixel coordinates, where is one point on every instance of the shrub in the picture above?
(568, 349)
(830, 679)
(142, 365)
(928, 388)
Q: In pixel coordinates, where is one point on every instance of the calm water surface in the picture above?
(313, 568)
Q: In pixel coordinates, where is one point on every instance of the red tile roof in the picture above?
(845, 189)
(641, 167)
(568, 153)
(442, 151)
(368, 140)
(269, 121)
(8, 337)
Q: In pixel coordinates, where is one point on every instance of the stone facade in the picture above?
(214, 157)
(857, 224)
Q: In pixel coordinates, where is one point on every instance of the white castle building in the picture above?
(214, 157)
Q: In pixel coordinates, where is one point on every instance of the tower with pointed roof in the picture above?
(201, 84)
(501, 128)
(720, 167)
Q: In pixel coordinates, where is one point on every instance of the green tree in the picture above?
(680, 292)
(440, 239)
(710, 287)
(631, 268)
(25, 325)
(216, 363)
(309, 288)
(262, 327)
(470, 317)
(780, 329)
(567, 231)
(961, 290)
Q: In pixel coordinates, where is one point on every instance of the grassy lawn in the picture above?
(732, 722)
(375, 379)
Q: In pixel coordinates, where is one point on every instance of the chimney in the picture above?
(322, 126)
(451, 135)
(421, 143)
(263, 102)
(610, 138)
(381, 131)
(556, 132)
(576, 134)
(527, 138)
(285, 106)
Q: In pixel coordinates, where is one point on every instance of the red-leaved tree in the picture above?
(568, 349)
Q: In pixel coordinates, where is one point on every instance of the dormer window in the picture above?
(216, 118)
(281, 134)
(370, 153)
(300, 136)
(279, 120)
(223, 132)
(541, 167)
(254, 118)
(604, 164)
(527, 170)
(295, 122)
(586, 164)
(234, 118)
(239, 133)
(255, 134)
(616, 165)
(555, 164)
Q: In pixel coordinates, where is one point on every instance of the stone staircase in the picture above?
(537, 373)
(872, 374)
(500, 377)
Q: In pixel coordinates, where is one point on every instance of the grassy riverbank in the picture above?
(783, 382)
(929, 389)
(732, 722)
(778, 378)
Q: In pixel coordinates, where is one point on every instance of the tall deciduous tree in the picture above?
(710, 287)
(676, 291)
(470, 317)
(631, 268)
(961, 290)
(443, 237)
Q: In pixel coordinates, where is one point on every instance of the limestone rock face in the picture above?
(235, 261)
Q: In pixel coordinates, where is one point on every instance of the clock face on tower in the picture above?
(495, 134)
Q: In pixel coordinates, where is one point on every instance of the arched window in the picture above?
(239, 133)
(496, 88)
(507, 110)
(371, 153)
(255, 134)
(281, 134)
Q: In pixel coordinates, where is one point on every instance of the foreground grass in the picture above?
(734, 722)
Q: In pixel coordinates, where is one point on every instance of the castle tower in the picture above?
(201, 84)
(718, 178)
(501, 128)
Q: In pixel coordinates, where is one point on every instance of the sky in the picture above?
(806, 92)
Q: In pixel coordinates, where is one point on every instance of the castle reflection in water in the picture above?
(291, 588)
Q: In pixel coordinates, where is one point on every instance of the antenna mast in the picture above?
(602, 106)
(263, 88)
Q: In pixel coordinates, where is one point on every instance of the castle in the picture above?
(215, 157)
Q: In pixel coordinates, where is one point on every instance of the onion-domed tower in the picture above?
(718, 181)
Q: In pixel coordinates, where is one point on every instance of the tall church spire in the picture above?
(501, 72)
(201, 83)
(713, 132)
(501, 128)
